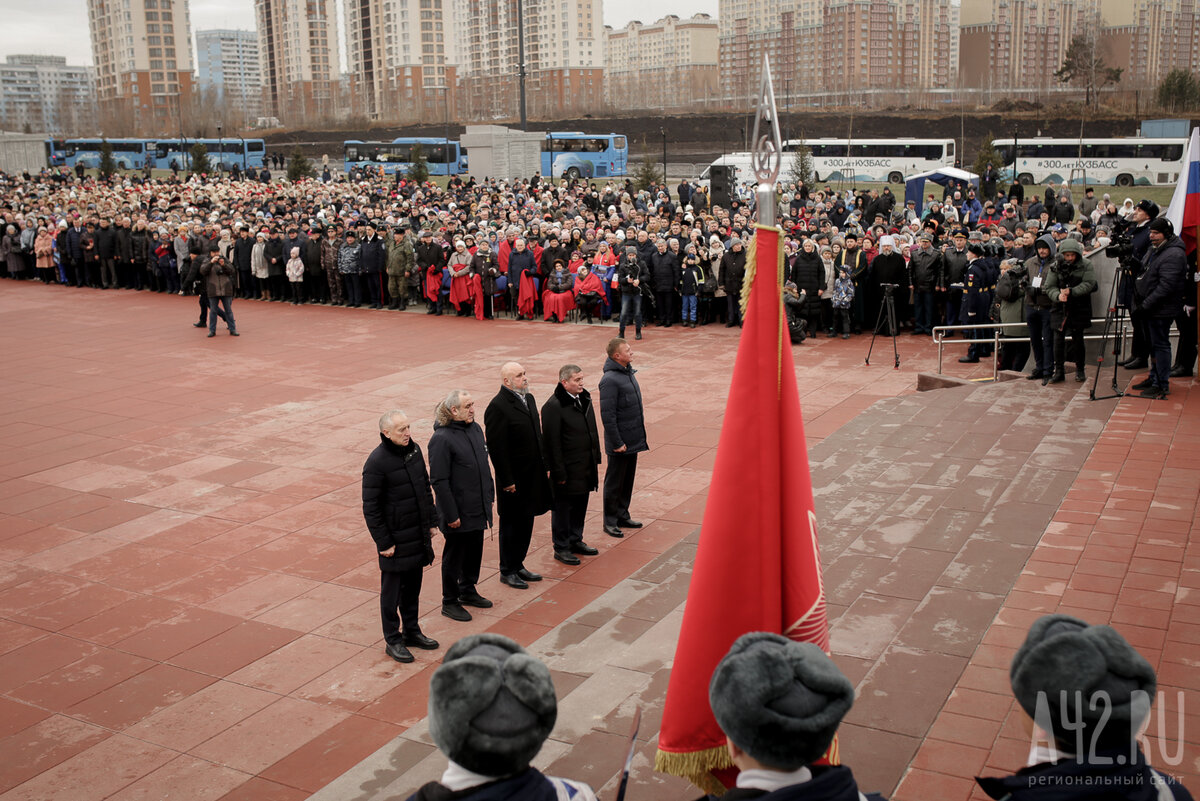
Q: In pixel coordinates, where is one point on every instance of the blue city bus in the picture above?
(56, 153)
(573, 154)
(442, 156)
(127, 154)
(223, 153)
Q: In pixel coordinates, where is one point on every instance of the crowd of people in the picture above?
(578, 250)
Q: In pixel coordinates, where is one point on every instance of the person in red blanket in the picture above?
(522, 268)
(559, 297)
(589, 291)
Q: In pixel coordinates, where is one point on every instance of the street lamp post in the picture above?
(663, 131)
(550, 146)
(220, 150)
(521, 60)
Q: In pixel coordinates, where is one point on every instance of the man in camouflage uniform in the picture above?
(400, 263)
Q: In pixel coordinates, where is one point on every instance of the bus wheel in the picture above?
(895, 178)
(573, 173)
(1124, 179)
(1025, 179)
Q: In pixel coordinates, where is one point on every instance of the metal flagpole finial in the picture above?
(767, 155)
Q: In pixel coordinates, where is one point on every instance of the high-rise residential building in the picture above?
(43, 95)
(1019, 44)
(670, 64)
(402, 57)
(143, 59)
(227, 66)
(892, 45)
(299, 57)
(564, 58)
(1149, 38)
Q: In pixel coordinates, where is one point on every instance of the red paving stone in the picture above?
(179, 529)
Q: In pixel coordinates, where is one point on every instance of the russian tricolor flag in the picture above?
(1184, 211)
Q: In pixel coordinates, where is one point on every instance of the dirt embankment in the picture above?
(703, 137)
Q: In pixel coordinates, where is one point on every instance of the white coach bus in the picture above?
(864, 160)
(1113, 162)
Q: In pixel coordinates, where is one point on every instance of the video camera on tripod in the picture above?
(888, 289)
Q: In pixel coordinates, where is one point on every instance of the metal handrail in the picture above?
(940, 340)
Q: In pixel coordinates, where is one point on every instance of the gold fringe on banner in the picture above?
(696, 767)
(748, 282)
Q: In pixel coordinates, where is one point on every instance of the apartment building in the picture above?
(227, 65)
(299, 58)
(43, 94)
(669, 64)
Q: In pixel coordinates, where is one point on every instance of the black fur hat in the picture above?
(491, 705)
(778, 700)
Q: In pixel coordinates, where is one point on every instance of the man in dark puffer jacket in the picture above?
(398, 508)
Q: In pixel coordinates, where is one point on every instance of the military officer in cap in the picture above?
(955, 261)
(975, 302)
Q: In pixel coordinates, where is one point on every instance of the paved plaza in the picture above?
(188, 594)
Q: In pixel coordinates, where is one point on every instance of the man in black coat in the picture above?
(462, 484)
(514, 441)
(624, 435)
(1159, 296)
(664, 274)
(398, 509)
(374, 259)
(572, 446)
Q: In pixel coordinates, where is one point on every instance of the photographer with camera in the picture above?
(1131, 246)
(1070, 285)
(1158, 296)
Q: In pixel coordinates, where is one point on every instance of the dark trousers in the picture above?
(204, 307)
(353, 289)
(1077, 354)
(858, 307)
(108, 273)
(460, 564)
(1041, 338)
(954, 307)
(733, 304)
(400, 592)
(374, 283)
(1185, 351)
(516, 530)
(214, 305)
(1139, 344)
(923, 311)
(566, 520)
(1159, 330)
(666, 306)
(1013, 355)
(618, 487)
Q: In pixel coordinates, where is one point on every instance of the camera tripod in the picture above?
(888, 307)
(1114, 320)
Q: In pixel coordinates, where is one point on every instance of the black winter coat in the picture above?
(462, 483)
(106, 242)
(664, 270)
(808, 272)
(398, 505)
(927, 269)
(733, 272)
(514, 441)
(1159, 289)
(276, 259)
(374, 255)
(571, 441)
(621, 409)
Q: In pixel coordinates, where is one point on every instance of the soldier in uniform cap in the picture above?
(955, 260)
(401, 261)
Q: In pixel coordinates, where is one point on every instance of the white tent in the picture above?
(914, 185)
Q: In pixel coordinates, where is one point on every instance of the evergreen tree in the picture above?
(801, 168)
(989, 155)
(647, 173)
(418, 165)
(107, 166)
(299, 166)
(200, 163)
(1179, 91)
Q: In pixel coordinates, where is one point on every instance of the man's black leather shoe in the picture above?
(529, 575)
(1035, 375)
(399, 653)
(566, 557)
(421, 641)
(514, 581)
(629, 523)
(1149, 382)
(969, 360)
(613, 531)
(583, 548)
(476, 600)
(456, 612)
(1180, 372)
(1135, 364)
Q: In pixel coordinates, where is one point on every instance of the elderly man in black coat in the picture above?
(1159, 296)
(572, 444)
(624, 435)
(514, 441)
(462, 484)
(398, 508)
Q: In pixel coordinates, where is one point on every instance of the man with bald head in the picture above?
(514, 440)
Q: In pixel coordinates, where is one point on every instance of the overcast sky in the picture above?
(59, 27)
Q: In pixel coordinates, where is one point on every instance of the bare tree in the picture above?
(1084, 66)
